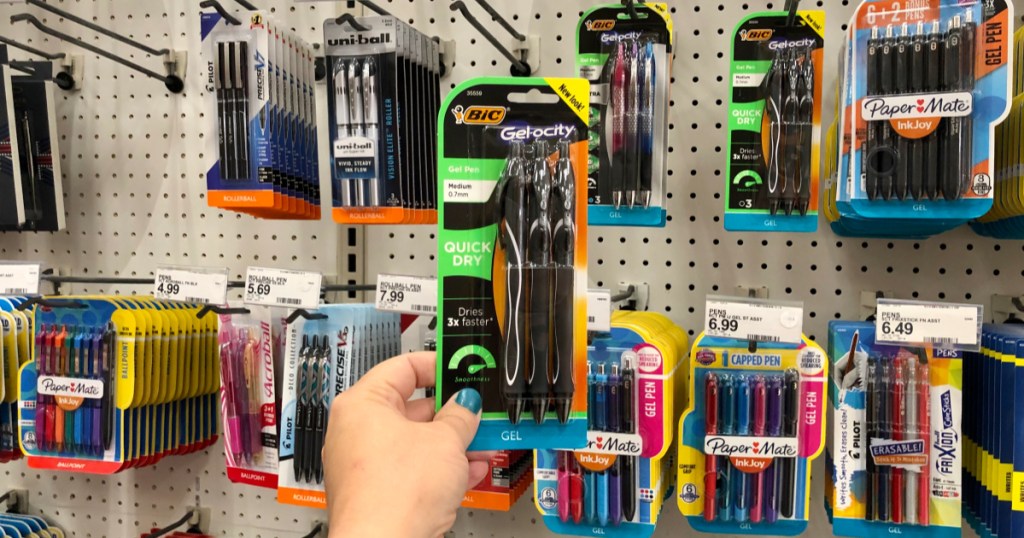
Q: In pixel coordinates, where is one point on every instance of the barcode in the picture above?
(423, 308)
(16, 291)
(942, 340)
(194, 300)
(287, 301)
(764, 338)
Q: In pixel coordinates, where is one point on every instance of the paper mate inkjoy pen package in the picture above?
(326, 352)
(894, 454)
(248, 397)
(512, 258)
(260, 81)
(116, 383)
(755, 422)
(616, 485)
(628, 60)
(924, 88)
(775, 122)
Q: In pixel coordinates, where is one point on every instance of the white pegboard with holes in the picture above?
(134, 156)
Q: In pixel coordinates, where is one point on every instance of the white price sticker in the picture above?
(415, 295)
(599, 310)
(19, 278)
(281, 287)
(753, 319)
(913, 322)
(195, 285)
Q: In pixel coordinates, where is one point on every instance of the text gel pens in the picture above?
(741, 480)
(629, 463)
(759, 395)
(774, 396)
(615, 492)
(711, 408)
(600, 410)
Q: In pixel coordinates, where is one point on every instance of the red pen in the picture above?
(711, 461)
(899, 411)
(925, 424)
(760, 394)
(564, 491)
(575, 489)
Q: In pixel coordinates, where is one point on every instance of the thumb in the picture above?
(462, 415)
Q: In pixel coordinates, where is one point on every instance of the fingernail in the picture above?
(470, 399)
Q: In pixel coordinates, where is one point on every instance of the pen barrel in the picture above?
(757, 497)
(771, 492)
(628, 398)
(614, 404)
(590, 496)
(629, 485)
(563, 384)
(540, 337)
(564, 488)
(724, 493)
(576, 494)
(602, 498)
(615, 493)
(234, 436)
(514, 355)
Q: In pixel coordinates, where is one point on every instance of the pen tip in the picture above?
(647, 199)
(617, 199)
(632, 199)
(773, 207)
(515, 411)
(539, 410)
(563, 408)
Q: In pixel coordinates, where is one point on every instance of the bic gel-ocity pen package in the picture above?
(922, 91)
(31, 131)
(775, 122)
(116, 383)
(261, 102)
(512, 251)
(324, 356)
(383, 96)
(755, 422)
(617, 484)
(628, 63)
(248, 397)
(894, 454)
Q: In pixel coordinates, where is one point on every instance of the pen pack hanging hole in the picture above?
(533, 96)
(319, 65)
(521, 70)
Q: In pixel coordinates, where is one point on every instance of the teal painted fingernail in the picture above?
(470, 399)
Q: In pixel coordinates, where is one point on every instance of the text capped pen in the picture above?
(357, 116)
(884, 430)
(790, 414)
(924, 423)
(872, 405)
(511, 194)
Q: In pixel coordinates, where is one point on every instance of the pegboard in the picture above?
(134, 158)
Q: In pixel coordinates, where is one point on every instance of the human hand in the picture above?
(391, 466)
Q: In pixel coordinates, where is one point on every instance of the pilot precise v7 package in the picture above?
(512, 246)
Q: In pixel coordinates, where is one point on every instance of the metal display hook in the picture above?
(228, 18)
(519, 68)
(32, 50)
(495, 16)
(173, 82)
(374, 7)
(65, 77)
(318, 528)
(192, 517)
(791, 8)
(51, 303)
(348, 18)
(97, 28)
(631, 8)
(220, 310)
(304, 314)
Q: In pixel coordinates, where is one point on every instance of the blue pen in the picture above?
(600, 395)
(590, 496)
(741, 482)
(591, 396)
(727, 419)
(602, 498)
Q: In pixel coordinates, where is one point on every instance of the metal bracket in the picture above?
(447, 55)
(528, 51)
(869, 302)
(1007, 307)
(16, 501)
(637, 295)
(200, 519)
(752, 293)
(318, 530)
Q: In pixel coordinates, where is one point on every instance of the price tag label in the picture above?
(415, 295)
(19, 278)
(599, 310)
(754, 319)
(281, 287)
(954, 326)
(191, 285)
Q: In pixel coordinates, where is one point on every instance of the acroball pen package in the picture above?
(755, 422)
(894, 454)
(512, 251)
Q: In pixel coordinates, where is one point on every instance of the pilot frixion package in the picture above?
(32, 157)
(894, 453)
(117, 382)
(775, 122)
(512, 258)
(248, 397)
(755, 422)
(628, 61)
(261, 103)
(922, 90)
(382, 96)
(326, 352)
(617, 484)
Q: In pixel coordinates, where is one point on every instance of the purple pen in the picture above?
(241, 395)
(96, 431)
(615, 492)
(773, 385)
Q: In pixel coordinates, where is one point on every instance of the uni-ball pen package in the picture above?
(894, 454)
(775, 122)
(754, 424)
(617, 484)
(512, 251)
(628, 62)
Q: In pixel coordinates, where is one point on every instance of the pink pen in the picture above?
(760, 407)
(232, 433)
(924, 423)
(563, 485)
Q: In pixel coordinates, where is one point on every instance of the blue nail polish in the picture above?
(470, 399)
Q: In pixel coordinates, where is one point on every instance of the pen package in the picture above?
(117, 382)
(775, 122)
(616, 484)
(922, 92)
(249, 397)
(628, 62)
(259, 87)
(755, 422)
(512, 258)
(894, 453)
(325, 354)
(510, 474)
(15, 335)
(32, 155)
(992, 481)
(382, 96)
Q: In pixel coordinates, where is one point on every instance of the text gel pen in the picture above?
(803, 190)
(774, 82)
(632, 161)
(511, 194)
(902, 73)
(774, 396)
(918, 67)
(600, 411)
(874, 129)
(563, 211)
(933, 83)
(885, 162)
(791, 133)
